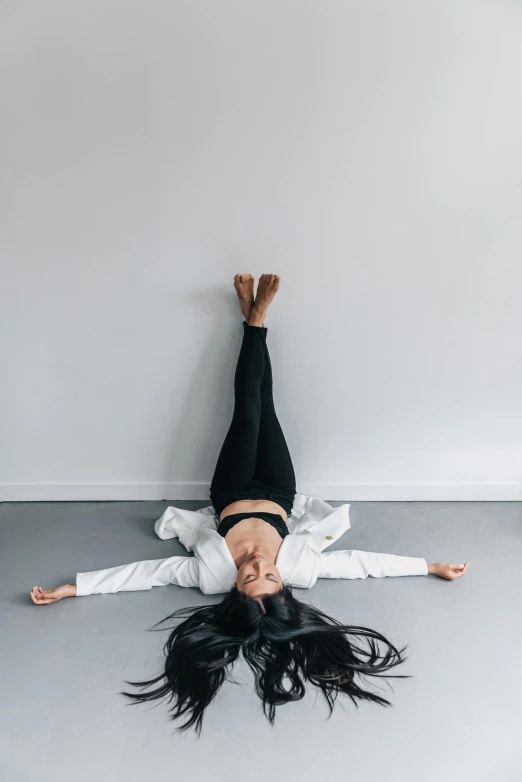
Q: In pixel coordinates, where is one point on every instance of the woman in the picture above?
(250, 549)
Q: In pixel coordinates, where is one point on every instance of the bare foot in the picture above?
(244, 285)
(266, 290)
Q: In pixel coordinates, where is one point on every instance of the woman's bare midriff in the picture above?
(253, 506)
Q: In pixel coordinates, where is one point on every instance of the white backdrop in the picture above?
(368, 152)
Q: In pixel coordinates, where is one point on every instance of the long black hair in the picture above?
(285, 642)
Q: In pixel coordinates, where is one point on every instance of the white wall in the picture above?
(368, 152)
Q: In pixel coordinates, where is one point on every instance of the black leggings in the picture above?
(254, 462)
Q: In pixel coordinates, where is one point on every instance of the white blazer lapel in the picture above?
(218, 571)
(298, 562)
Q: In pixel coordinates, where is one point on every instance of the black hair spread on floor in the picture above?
(286, 643)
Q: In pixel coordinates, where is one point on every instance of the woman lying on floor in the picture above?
(249, 548)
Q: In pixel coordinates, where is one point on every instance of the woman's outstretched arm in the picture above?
(361, 564)
(183, 571)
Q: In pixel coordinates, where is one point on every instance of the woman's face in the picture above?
(258, 576)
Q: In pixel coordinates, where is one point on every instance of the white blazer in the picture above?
(313, 524)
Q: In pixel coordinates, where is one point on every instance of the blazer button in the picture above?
(329, 537)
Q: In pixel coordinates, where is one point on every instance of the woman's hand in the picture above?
(447, 571)
(44, 596)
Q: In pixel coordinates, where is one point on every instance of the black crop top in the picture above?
(274, 519)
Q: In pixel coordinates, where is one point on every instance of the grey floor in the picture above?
(458, 719)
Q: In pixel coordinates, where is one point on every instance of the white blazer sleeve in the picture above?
(183, 571)
(360, 564)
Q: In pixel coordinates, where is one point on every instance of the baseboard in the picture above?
(488, 491)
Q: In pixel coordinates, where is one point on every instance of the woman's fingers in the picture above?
(42, 596)
(459, 570)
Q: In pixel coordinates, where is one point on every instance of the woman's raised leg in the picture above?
(236, 464)
(273, 463)
(237, 459)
